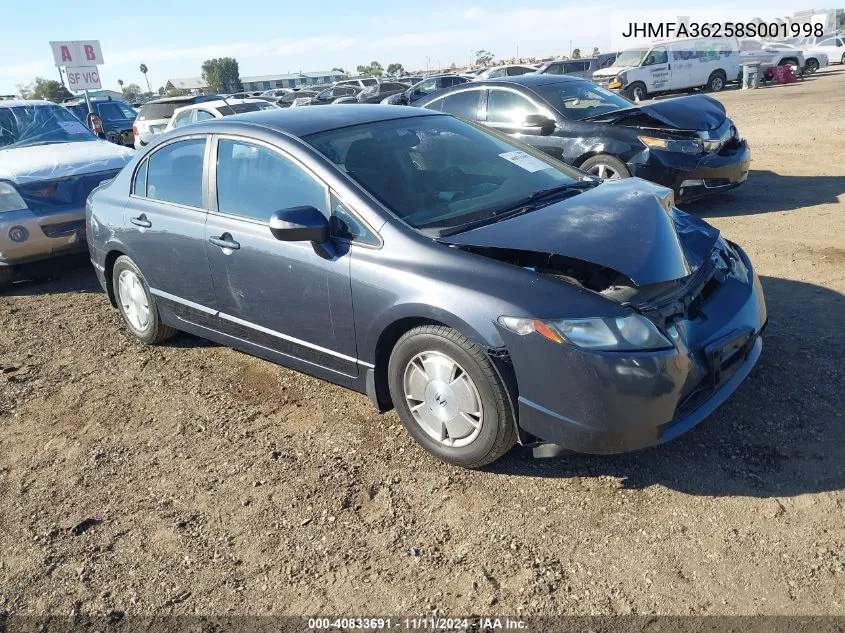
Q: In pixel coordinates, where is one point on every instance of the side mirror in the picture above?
(538, 120)
(299, 224)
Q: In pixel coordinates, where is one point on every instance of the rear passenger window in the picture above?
(175, 173)
(254, 182)
(139, 188)
(462, 104)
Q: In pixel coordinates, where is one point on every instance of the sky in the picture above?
(173, 37)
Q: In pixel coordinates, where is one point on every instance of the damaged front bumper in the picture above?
(613, 402)
(690, 176)
(31, 235)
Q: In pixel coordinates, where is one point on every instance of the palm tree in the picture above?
(120, 83)
(143, 69)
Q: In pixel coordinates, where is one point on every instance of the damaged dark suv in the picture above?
(688, 143)
(487, 291)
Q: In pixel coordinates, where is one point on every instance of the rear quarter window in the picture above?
(153, 111)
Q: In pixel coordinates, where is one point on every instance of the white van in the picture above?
(673, 65)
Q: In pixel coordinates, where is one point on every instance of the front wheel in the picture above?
(811, 66)
(636, 91)
(606, 167)
(136, 304)
(450, 397)
(716, 82)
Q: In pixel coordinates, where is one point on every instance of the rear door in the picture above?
(289, 297)
(164, 227)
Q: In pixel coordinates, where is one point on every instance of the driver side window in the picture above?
(183, 118)
(254, 181)
(658, 55)
(504, 106)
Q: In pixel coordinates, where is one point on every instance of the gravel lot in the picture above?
(190, 478)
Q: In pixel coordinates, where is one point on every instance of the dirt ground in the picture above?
(190, 478)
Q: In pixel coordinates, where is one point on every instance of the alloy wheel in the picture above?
(133, 300)
(717, 84)
(443, 399)
(605, 172)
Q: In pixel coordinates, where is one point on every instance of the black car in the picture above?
(327, 96)
(116, 116)
(489, 292)
(424, 88)
(286, 100)
(686, 143)
(381, 90)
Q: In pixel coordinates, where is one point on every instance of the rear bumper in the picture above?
(614, 402)
(691, 177)
(27, 236)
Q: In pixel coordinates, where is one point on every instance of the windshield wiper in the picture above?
(532, 202)
(611, 113)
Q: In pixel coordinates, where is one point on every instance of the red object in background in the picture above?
(95, 123)
(783, 75)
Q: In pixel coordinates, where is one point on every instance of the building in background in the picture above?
(191, 85)
(290, 80)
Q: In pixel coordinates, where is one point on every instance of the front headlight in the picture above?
(684, 146)
(10, 199)
(619, 334)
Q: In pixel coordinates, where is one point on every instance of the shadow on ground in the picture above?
(781, 434)
(767, 192)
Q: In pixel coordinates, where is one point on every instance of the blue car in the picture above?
(488, 292)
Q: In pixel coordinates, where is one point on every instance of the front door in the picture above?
(507, 110)
(164, 228)
(289, 297)
(657, 70)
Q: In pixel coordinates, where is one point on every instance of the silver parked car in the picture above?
(583, 68)
(49, 163)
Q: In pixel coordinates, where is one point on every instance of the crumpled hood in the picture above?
(694, 112)
(611, 71)
(626, 225)
(22, 165)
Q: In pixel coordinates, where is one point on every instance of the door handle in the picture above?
(225, 241)
(142, 221)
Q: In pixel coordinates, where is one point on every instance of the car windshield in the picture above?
(631, 58)
(579, 100)
(25, 125)
(437, 173)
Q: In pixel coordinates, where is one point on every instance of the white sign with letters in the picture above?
(77, 53)
(83, 78)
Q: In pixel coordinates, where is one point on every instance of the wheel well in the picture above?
(111, 258)
(585, 157)
(387, 341)
(720, 72)
(788, 60)
(384, 346)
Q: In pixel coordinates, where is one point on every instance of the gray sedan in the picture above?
(489, 293)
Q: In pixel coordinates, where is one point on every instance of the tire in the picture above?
(7, 276)
(437, 390)
(842, 61)
(146, 324)
(604, 164)
(716, 81)
(636, 91)
(811, 66)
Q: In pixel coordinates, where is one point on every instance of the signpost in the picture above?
(80, 59)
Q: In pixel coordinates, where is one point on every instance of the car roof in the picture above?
(528, 80)
(181, 99)
(304, 121)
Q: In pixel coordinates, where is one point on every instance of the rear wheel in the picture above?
(136, 304)
(811, 66)
(716, 81)
(7, 276)
(606, 167)
(842, 61)
(450, 397)
(636, 91)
